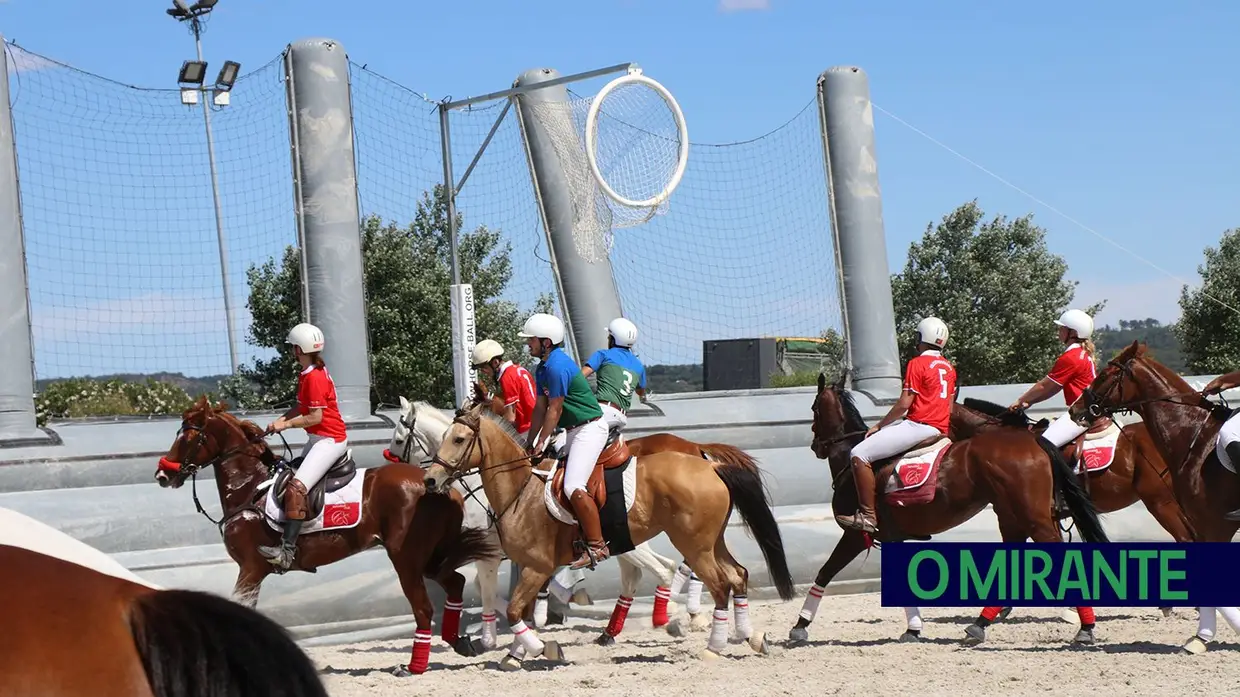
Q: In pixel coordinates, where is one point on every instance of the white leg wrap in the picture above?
(718, 631)
(740, 606)
(527, 639)
(693, 603)
(680, 578)
(913, 615)
(812, 598)
(1232, 615)
(1207, 624)
(540, 610)
(489, 636)
(517, 651)
(558, 589)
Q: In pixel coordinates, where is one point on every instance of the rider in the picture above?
(1229, 434)
(620, 373)
(1072, 372)
(515, 385)
(922, 412)
(326, 441)
(565, 400)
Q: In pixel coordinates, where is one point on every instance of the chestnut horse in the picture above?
(1011, 469)
(421, 533)
(688, 497)
(73, 631)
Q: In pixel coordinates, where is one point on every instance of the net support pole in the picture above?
(588, 293)
(17, 415)
(325, 188)
(856, 206)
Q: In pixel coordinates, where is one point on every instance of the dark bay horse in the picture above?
(1184, 426)
(1011, 469)
(72, 631)
(420, 530)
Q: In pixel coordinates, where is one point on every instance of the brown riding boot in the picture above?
(296, 510)
(864, 520)
(586, 511)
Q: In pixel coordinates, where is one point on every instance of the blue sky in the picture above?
(1120, 116)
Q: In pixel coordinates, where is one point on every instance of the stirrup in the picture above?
(591, 557)
(281, 555)
(857, 522)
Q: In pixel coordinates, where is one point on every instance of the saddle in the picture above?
(1072, 450)
(615, 454)
(914, 451)
(342, 471)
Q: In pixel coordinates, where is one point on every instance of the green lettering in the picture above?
(1074, 565)
(915, 586)
(1015, 579)
(1038, 577)
(1102, 567)
(971, 578)
(1143, 571)
(1165, 574)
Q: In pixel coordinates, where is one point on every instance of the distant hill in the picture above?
(192, 386)
(1160, 339)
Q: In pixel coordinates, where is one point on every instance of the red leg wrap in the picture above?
(451, 620)
(661, 595)
(421, 652)
(1086, 614)
(618, 615)
(990, 613)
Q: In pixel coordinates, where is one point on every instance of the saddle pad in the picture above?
(342, 508)
(1098, 452)
(566, 515)
(914, 468)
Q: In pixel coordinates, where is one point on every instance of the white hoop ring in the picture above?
(592, 118)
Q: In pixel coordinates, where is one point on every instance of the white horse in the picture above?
(422, 427)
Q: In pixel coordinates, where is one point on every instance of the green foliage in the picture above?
(1209, 331)
(407, 275)
(85, 397)
(998, 288)
(1159, 338)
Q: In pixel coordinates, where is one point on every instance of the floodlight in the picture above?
(201, 5)
(228, 75)
(192, 72)
(221, 98)
(181, 5)
(189, 96)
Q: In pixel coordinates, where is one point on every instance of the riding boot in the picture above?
(864, 520)
(1233, 452)
(586, 511)
(295, 512)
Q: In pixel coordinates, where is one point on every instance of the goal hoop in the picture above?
(635, 77)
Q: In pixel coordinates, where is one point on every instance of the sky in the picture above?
(1112, 124)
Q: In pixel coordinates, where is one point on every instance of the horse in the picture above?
(124, 636)
(687, 497)
(1011, 469)
(389, 505)
(1184, 426)
(428, 425)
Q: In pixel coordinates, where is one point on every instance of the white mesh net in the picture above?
(637, 148)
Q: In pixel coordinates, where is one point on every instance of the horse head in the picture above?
(1117, 387)
(837, 424)
(208, 436)
(415, 433)
(460, 452)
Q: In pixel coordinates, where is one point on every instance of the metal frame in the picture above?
(835, 232)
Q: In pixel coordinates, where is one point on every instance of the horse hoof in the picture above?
(401, 672)
(909, 637)
(1166, 611)
(973, 635)
(1085, 636)
(798, 635)
(1195, 647)
(581, 597)
(553, 652)
(758, 643)
(464, 646)
(487, 644)
(678, 627)
(710, 655)
(699, 622)
(509, 664)
(605, 639)
(1003, 614)
(1069, 615)
(553, 617)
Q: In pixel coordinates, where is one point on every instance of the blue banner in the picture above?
(1117, 574)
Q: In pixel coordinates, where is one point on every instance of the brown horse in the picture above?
(1184, 426)
(1011, 469)
(685, 496)
(72, 631)
(390, 505)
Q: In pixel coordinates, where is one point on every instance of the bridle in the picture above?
(406, 455)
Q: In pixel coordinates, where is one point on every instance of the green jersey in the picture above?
(618, 373)
(559, 376)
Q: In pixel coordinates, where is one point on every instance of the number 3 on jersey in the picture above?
(628, 383)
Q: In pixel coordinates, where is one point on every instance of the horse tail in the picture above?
(198, 644)
(466, 546)
(1084, 514)
(749, 497)
(724, 454)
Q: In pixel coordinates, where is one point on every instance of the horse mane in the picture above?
(996, 411)
(423, 408)
(853, 421)
(500, 422)
(249, 429)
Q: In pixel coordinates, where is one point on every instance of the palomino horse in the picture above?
(1184, 426)
(387, 505)
(77, 623)
(1011, 469)
(687, 497)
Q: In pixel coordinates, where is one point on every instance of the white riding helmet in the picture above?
(307, 337)
(933, 331)
(623, 331)
(543, 326)
(486, 350)
(1078, 321)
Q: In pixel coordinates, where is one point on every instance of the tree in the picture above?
(407, 276)
(998, 288)
(1208, 328)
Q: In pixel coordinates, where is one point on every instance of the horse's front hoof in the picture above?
(605, 639)
(798, 635)
(509, 664)
(553, 652)
(758, 643)
(1003, 614)
(1167, 611)
(1084, 636)
(465, 646)
(1070, 616)
(401, 672)
(710, 655)
(1195, 647)
(973, 635)
(678, 627)
(699, 622)
(909, 637)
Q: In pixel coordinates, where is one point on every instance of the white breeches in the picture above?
(1063, 430)
(614, 417)
(319, 454)
(585, 443)
(894, 439)
(1229, 433)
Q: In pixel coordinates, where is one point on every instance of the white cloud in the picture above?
(743, 5)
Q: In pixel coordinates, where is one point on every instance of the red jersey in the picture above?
(1073, 371)
(316, 390)
(518, 387)
(932, 380)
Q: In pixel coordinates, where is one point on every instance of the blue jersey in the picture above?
(558, 376)
(619, 373)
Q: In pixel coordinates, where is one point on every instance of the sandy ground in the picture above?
(852, 651)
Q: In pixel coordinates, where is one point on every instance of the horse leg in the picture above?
(453, 584)
(1011, 529)
(525, 640)
(630, 576)
(249, 580)
(850, 544)
(737, 577)
(423, 611)
(700, 555)
(488, 587)
(693, 594)
(1207, 623)
(644, 557)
